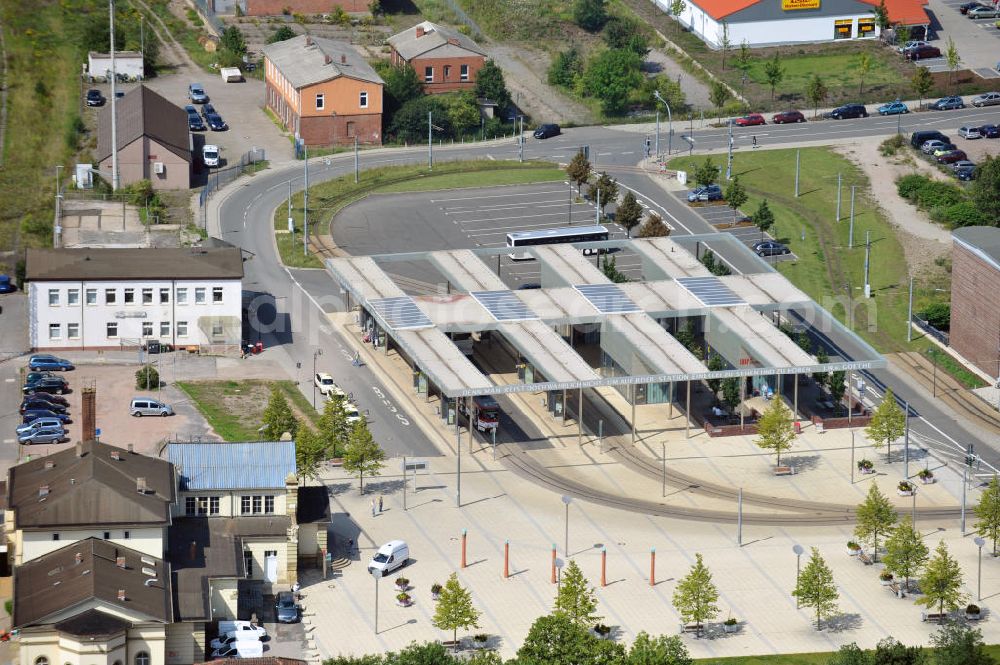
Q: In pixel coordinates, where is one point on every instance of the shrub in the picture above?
(964, 213)
(909, 185)
(147, 378)
(935, 193)
(891, 145)
(938, 315)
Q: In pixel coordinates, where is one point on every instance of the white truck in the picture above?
(241, 628)
(231, 74)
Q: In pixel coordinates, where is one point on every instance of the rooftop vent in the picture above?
(79, 449)
(420, 31)
(309, 40)
(121, 595)
(146, 560)
(120, 562)
(327, 59)
(55, 571)
(131, 447)
(115, 455)
(72, 481)
(43, 491)
(151, 582)
(149, 572)
(343, 58)
(140, 485)
(78, 557)
(86, 572)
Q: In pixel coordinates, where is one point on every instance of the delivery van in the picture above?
(394, 554)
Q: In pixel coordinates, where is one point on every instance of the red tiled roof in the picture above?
(720, 9)
(904, 12)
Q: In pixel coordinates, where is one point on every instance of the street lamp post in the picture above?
(566, 499)
(798, 550)
(979, 577)
(317, 352)
(670, 126)
(376, 574)
(559, 566)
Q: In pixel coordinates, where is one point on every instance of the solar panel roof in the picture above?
(608, 298)
(710, 291)
(400, 313)
(504, 305)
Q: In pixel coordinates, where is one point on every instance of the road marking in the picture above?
(499, 219)
(665, 211)
(9, 380)
(490, 157)
(8, 440)
(496, 196)
(515, 206)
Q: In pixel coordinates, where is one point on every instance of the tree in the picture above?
(281, 34)
(957, 644)
(821, 378)
(401, 84)
(554, 638)
(677, 8)
(850, 654)
(333, 429)
(774, 72)
(875, 517)
(706, 174)
(454, 609)
(611, 76)
(463, 111)
(774, 428)
(725, 43)
(490, 84)
(718, 94)
(901, 34)
(890, 651)
(591, 15)
(763, 218)
(566, 67)
(610, 270)
(882, 16)
(715, 364)
(864, 66)
(837, 385)
(887, 424)
(626, 33)
(731, 393)
(988, 513)
(232, 40)
(606, 187)
(654, 227)
(922, 83)
(953, 59)
(629, 212)
(575, 598)
(816, 92)
(147, 378)
(736, 196)
(905, 551)
(309, 453)
(578, 169)
(696, 595)
(985, 190)
(816, 589)
(278, 417)
(361, 454)
(661, 650)
(941, 582)
(743, 58)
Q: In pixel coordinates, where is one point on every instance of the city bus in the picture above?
(569, 234)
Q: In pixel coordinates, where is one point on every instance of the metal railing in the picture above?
(927, 328)
(222, 177)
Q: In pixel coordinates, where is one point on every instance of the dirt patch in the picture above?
(696, 93)
(235, 409)
(525, 70)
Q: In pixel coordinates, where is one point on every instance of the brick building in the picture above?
(443, 58)
(975, 296)
(279, 7)
(323, 91)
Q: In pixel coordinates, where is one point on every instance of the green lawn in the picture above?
(798, 658)
(839, 70)
(234, 409)
(827, 268)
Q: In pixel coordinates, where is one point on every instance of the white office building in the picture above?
(85, 299)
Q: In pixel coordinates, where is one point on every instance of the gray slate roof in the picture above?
(134, 263)
(408, 45)
(232, 466)
(306, 60)
(143, 112)
(984, 239)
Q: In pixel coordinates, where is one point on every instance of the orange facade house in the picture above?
(323, 91)
(444, 59)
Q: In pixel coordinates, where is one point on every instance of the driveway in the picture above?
(978, 42)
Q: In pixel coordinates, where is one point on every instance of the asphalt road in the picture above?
(303, 294)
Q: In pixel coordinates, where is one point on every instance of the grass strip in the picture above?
(234, 409)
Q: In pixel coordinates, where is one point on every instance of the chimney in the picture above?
(116, 456)
(121, 595)
(140, 484)
(343, 58)
(420, 31)
(327, 59)
(131, 447)
(72, 481)
(49, 464)
(453, 41)
(79, 448)
(120, 562)
(78, 557)
(193, 551)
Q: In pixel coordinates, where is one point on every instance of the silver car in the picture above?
(147, 406)
(37, 433)
(986, 99)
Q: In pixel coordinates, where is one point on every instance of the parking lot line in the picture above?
(497, 196)
(561, 204)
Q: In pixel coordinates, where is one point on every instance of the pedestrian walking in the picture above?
(647, 146)
(373, 507)
(380, 503)
(755, 141)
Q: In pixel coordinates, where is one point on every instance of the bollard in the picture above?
(506, 559)
(553, 563)
(464, 538)
(604, 566)
(652, 566)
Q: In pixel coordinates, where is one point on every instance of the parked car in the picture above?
(33, 404)
(923, 53)
(240, 649)
(947, 147)
(963, 164)
(947, 104)
(247, 629)
(918, 139)
(981, 12)
(206, 109)
(951, 157)
(964, 8)
(6, 285)
(326, 385)
(47, 384)
(39, 434)
(929, 147)
(195, 123)
(750, 120)
(44, 361)
(216, 123)
(147, 406)
(770, 248)
(32, 377)
(222, 641)
(394, 554)
(912, 44)
(547, 130)
(39, 423)
(788, 116)
(986, 99)
(196, 93)
(709, 193)
(31, 415)
(210, 155)
(989, 131)
(94, 97)
(893, 108)
(285, 608)
(966, 173)
(970, 133)
(47, 397)
(848, 111)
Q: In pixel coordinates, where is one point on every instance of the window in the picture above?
(248, 563)
(147, 328)
(182, 296)
(363, 101)
(110, 296)
(55, 536)
(216, 294)
(53, 297)
(269, 504)
(112, 329)
(189, 505)
(866, 27)
(182, 328)
(447, 72)
(256, 505)
(213, 505)
(199, 295)
(164, 296)
(428, 75)
(73, 330)
(463, 72)
(107, 535)
(91, 296)
(320, 101)
(147, 296)
(216, 329)
(72, 296)
(129, 297)
(164, 328)
(55, 331)
(245, 505)
(142, 658)
(126, 535)
(268, 553)
(843, 29)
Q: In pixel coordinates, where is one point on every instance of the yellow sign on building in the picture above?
(799, 4)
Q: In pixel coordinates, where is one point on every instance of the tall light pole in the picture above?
(305, 204)
(115, 181)
(376, 574)
(798, 549)
(868, 261)
(317, 352)
(729, 161)
(566, 499)
(909, 314)
(670, 125)
(663, 459)
(979, 578)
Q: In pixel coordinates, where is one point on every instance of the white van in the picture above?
(147, 406)
(394, 554)
(251, 630)
(240, 649)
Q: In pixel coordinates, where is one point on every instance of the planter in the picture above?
(601, 632)
(730, 627)
(970, 616)
(480, 641)
(866, 470)
(853, 549)
(927, 481)
(905, 492)
(404, 603)
(887, 582)
(435, 596)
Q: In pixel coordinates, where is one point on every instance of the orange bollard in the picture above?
(604, 566)
(553, 563)
(652, 566)
(464, 537)
(506, 559)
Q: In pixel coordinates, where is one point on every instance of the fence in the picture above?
(222, 177)
(923, 325)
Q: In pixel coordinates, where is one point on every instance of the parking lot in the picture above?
(718, 214)
(977, 41)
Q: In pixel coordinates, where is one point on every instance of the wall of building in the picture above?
(341, 130)
(258, 547)
(451, 81)
(135, 163)
(99, 66)
(975, 309)
(342, 96)
(230, 502)
(185, 643)
(62, 649)
(225, 598)
(33, 544)
(91, 319)
(277, 7)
